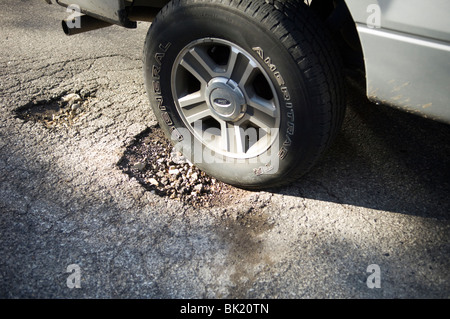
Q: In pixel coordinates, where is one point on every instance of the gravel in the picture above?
(152, 160)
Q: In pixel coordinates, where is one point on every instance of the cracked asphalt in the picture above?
(379, 196)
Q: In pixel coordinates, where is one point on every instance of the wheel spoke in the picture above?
(199, 64)
(232, 61)
(192, 99)
(232, 137)
(197, 113)
(226, 139)
(247, 69)
(262, 143)
(263, 105)
(239, 138)
(262, 120)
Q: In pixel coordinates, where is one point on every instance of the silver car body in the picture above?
(407, 56)
(405, 43)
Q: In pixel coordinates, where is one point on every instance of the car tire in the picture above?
(251, 92)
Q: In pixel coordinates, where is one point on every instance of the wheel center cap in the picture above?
(225, 99)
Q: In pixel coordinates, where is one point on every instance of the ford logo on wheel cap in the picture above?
(222, 102)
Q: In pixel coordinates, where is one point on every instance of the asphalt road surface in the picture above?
(370, 221)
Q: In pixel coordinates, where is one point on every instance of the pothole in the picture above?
(153, 162)
(59, 112)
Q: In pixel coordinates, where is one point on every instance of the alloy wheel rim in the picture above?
(225, 98)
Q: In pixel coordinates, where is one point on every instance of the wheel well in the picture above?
(334, 13)
(339, 21)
